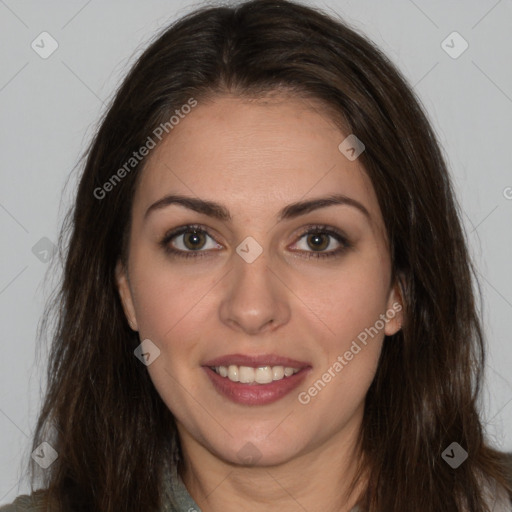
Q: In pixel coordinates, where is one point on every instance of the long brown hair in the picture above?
(101, 412)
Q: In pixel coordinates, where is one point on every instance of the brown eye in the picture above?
(318, 241)
(322, 242)
(189, 241)
(194, 240)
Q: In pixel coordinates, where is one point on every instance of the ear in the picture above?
(123, 287)
(395, 307)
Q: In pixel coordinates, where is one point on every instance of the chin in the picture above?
(257, 451)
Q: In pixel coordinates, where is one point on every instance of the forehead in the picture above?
(254, 155)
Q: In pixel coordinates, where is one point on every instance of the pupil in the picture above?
(195, 237)
(317, 241)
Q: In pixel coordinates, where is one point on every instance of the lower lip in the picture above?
(256, 394)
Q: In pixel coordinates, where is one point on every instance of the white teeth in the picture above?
(246, 374)
(233, 373)
(249, 375)
(263, 375)
(277, 372)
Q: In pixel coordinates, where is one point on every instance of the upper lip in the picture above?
(256, 361)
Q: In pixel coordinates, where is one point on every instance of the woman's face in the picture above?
(257, 289)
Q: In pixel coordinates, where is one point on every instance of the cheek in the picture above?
(166, 299)
(172, 311)
(352, 336)
(349, 352)
(349, 302)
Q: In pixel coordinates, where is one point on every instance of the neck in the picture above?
(315, 480)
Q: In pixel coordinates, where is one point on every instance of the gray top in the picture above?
(176, 498)
(179, 499)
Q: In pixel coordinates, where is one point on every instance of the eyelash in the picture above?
(310, 230)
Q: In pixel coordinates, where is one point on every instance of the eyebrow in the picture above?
(220, 212)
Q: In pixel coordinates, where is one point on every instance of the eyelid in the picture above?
(321, 228)
(180, 230)
(331, 231)
(299, 234)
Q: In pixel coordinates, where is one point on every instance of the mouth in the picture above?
(255, 380)
(250, 375)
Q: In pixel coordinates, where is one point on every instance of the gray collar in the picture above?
(177, 497)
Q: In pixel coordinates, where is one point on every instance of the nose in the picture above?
(254, 297)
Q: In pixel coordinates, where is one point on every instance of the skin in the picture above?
(256, 157)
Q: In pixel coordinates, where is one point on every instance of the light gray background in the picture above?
(50, 108)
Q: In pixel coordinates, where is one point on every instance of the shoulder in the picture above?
(24, 503)
(508, 462)
(497, 496)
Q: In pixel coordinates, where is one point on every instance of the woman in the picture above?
(267, 300)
